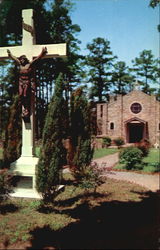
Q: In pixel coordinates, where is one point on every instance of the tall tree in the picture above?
(99, 62)
(80, 132)
(63, 30)
(53, 153)
(145, 68)
(121, 78)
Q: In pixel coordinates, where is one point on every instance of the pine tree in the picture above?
(62, 30)
(99, 62)
(53, 154)
(145, 68)
(121, 78)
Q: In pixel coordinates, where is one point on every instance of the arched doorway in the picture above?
(135, 130)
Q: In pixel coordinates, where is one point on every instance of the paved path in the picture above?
(152, 182)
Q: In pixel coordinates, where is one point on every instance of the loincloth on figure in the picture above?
(24, 85)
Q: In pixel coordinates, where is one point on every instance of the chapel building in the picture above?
(134, 116)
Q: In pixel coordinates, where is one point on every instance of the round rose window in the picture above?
(136, 108)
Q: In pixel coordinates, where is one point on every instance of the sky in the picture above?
(129, 25)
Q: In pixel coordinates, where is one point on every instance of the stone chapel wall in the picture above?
(114, 115)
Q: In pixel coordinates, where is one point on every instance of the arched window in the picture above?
(112, 125)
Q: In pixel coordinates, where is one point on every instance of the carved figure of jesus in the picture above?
(26, 79)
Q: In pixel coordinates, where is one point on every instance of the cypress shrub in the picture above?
(53, 154)
(80, 133)
(13, 134)
(6, 185)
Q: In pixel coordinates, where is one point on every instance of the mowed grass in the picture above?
(80, 220)
(153, 156)
(101, 152)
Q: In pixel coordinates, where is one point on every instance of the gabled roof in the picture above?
(137, 91)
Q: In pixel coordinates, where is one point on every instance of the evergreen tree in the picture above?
(121, 78)
(13, 136)
(62, 30)
(80, 132)
(99, 62)
(53, 154)
(145, 68)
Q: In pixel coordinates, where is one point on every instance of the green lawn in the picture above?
(75, 221)
(153, 156)
(103, 152)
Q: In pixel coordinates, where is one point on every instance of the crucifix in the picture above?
(29, 50)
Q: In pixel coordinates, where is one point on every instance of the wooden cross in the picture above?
(31, 50)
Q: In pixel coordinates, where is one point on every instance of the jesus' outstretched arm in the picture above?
(13, 57)
(42, 54)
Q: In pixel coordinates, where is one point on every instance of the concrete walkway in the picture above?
(151, 182)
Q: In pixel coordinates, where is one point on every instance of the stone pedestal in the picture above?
(25, 166)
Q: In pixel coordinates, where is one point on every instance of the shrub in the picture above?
(131, 157)
(81, 136)
(5, 184)
(106, 141)
(53, 154)
(13, 134)
(144, 146)
(90, 177)
(119, 141)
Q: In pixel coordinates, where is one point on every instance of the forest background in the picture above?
(98, 69)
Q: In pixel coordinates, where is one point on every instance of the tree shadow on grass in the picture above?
(8, 208)
(108, 225)
(68, 202)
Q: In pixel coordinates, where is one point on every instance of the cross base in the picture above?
(25, 166)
